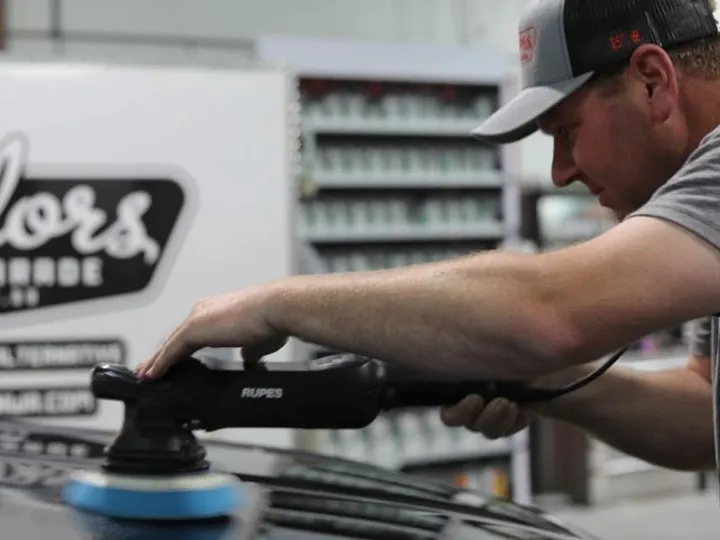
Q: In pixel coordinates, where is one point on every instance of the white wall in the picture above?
(149, 30)
(441, 21)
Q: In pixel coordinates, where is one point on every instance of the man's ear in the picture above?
(652, 70)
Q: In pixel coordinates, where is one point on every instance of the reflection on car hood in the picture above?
(293, 494)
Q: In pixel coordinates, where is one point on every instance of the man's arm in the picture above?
(507, 315)
(663, 417)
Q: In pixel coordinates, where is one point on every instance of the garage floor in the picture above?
(695, 517)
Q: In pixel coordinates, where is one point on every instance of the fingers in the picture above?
(462, 412)
(204, 328)
(177, 346)
(499, 418)
(254, 354)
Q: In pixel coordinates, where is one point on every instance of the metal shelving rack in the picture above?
(392, 177)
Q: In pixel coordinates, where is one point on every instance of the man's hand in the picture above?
(235, 319)
(503, 418)
(496, 419)
(662, 417)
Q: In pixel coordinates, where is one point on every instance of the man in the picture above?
(664, 418)
(630, 93)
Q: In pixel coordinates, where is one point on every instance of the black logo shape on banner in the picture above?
(68, 239)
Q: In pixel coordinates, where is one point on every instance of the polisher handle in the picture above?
(321, 394)
(338, 392)
(414, 388)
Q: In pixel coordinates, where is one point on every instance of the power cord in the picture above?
(543, 394)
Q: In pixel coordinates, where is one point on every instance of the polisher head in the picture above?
(155, 468)
(200, 495)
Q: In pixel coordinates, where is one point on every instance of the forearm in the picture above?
(662, 417)
(487, 316)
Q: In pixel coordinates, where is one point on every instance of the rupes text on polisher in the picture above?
(261, 393)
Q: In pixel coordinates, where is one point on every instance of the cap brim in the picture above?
(518, 117)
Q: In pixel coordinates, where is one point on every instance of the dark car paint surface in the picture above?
(290, 496)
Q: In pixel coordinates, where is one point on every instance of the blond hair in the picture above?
(698, 59)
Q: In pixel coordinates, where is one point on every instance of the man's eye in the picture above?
(566, 132)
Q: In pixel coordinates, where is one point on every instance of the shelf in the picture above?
(407, 233)
(373, 180)
(391, 176)
(392, 126)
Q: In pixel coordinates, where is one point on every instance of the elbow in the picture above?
(561, 333)
(568, 346)
(570, 325)
(543, 343)
(569, 333)
(536, 332)
(556, 342)
(556, 350)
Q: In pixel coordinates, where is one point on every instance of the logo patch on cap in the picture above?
(622, 41)
(528, 42)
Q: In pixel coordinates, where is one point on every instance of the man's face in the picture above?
(614, 144)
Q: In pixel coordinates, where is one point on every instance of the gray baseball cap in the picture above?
(563, 43)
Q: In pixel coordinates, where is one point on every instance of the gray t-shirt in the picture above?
(691, 199)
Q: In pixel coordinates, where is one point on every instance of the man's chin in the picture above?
(619, 213)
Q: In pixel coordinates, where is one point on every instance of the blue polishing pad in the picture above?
(181, 497)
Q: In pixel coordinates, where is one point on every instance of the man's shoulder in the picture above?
(703, 162)
(713, 135)
(691, 197)
(708, 147)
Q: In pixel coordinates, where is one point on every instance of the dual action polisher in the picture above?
(156, 469)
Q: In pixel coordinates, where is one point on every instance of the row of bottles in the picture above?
(403, 159)
(357, 104)
(372, 213)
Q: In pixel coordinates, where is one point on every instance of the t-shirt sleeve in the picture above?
(691, 198)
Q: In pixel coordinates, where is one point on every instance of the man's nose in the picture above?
(564, 168)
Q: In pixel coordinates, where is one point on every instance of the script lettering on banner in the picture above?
(72, 238)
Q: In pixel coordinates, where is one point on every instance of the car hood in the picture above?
(290, 494)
